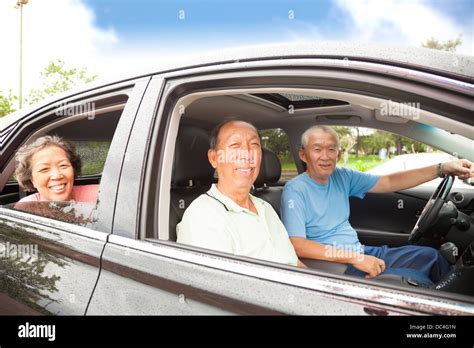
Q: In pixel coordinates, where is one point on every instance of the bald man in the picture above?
(228, 218)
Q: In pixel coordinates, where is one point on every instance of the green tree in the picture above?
(6, 103)
(342, 131)
(57, 78)
(448, 45)
(276, 140)
(372, 143)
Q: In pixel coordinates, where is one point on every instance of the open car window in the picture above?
(189, 179)
(91, 133)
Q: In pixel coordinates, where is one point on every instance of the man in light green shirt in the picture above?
(228, 218)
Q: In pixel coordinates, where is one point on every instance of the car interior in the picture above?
(376, 218)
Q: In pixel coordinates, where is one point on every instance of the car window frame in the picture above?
(36, 124)
(184, 83)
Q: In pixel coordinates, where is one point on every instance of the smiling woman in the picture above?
(49, 166)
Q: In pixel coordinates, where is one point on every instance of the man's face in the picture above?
(237, 156)
(320, 155)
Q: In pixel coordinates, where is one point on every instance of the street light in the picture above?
(20, 4)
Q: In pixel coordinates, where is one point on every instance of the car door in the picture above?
(145, 273)
(147, 277)
(51, 253)
(386, 218)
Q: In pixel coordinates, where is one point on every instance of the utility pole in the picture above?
(20, 4)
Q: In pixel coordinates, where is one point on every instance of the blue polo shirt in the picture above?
(321, 212)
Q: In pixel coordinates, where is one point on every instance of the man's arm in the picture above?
(292, 212)
(410, 178)
(313, 250)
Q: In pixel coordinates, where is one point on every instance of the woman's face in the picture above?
(52, 174)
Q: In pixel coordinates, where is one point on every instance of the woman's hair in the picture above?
(26, 152)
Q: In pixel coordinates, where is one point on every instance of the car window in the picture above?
(92, 138)
(381, 153)
(276, 140)
(93, 155)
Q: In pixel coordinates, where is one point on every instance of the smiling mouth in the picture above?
(245, 170)
(58, 188)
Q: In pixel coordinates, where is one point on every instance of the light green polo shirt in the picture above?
(206, 223)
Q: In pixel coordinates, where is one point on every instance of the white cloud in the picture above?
(66, 29)
(52, 29)
(402, 22)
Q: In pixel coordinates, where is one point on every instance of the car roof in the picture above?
(413, 56)
(447, 64)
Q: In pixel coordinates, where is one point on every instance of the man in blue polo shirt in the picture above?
(315, 212)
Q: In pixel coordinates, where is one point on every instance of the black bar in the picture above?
(312, 330)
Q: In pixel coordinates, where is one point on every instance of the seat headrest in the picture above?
(270, 169)
(190, 156)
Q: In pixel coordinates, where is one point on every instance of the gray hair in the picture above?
(26, 152)
(217, 129)
(325, 129)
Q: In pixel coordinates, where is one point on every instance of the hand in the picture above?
(369, 264)
(462, 168)
(301, 264)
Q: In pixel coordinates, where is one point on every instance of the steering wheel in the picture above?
(431, 209)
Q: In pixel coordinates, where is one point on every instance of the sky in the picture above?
(114, 37)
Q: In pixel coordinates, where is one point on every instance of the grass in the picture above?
(288, 166)
(362, 163)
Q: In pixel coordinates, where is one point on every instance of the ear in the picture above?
(339, 155)
(212, 157)
(302, 155)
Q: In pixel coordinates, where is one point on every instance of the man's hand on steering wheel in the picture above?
(430, 212)
(462, 168)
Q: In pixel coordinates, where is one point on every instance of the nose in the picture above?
(244, 153)
(56, 173)
(245, 146)
(324, 154)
